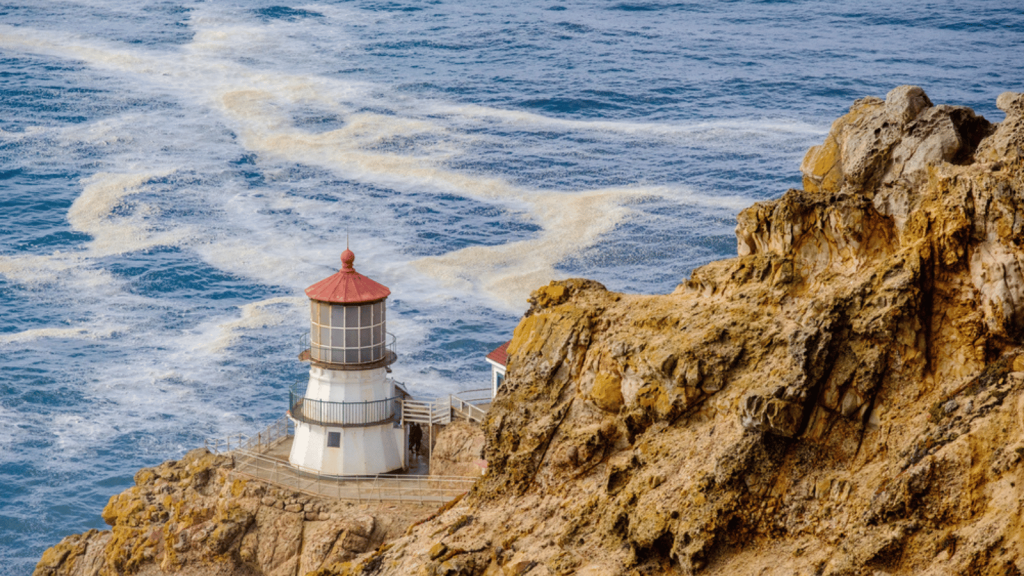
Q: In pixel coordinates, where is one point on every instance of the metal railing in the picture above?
(426, 411)
(343, 414)
(476, 396)
(378, 488)
(442, 410)
(464, 409)
(383, 354)
(258, 442)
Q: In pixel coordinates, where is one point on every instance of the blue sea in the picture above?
(174, 174)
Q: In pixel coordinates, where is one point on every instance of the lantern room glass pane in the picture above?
(352, 356)
(338, 337)
(312, 312)
(365, 315)
(325, 337)
(337, 356)
(351, 316)
(351, 339)
(325, 314)
(377, 330)
(364, 337)
(337, 315)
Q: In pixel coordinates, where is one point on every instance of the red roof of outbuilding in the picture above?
(347, 286)
(500, 354)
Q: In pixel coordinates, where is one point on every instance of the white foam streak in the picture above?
(92, 213)
(529, 120)
(510, 271)
(79, 333)
(256, 316)
(70, 268)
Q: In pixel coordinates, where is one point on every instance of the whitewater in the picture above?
(174, 174)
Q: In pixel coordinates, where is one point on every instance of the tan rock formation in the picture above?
(843, 398)
(195, 517)
(846, 397)
(458, 450)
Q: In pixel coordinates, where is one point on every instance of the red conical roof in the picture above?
(347, 286)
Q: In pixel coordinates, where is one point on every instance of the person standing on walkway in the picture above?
(415, 438)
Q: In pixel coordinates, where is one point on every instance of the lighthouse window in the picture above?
(334, 439)
(348, 334)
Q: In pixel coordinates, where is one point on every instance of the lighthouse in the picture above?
(346, 419)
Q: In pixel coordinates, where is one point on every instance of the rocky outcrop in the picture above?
(194, 516)
(459, 450)
(845, 397)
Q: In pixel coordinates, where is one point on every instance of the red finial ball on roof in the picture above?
(347, 286)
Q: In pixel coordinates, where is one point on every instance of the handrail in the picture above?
(280, 428)
(476, 396)
(472, 412)
(342, 414)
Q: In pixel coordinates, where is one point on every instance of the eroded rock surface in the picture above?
(845, 397)
(459, 450)
(195, 517)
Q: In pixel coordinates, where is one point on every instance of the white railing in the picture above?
(378, 488)
(466, 405)
(426, 412)
(464, 409)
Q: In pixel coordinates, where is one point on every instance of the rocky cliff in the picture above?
(195, 517)
(844, 397)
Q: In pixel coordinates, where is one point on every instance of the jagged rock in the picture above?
(195, 516)
(781, 412)
(458, 450)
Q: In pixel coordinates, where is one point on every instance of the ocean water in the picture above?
(174, 174)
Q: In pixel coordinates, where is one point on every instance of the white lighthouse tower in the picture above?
(346, 419)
